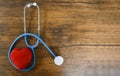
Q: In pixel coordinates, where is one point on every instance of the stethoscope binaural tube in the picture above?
(28, 6)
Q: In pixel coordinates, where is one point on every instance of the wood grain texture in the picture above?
(85, 32)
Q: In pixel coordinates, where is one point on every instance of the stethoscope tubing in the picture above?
(39, 39)
(57, 59)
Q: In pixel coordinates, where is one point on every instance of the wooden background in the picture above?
(85, 32)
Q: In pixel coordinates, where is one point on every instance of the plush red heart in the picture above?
(21, 57)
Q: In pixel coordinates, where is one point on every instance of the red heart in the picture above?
(21, 57)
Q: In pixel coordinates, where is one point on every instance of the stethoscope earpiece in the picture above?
(19, 63)
(31, 4)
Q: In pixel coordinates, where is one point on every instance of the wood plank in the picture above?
(17, 2)
(79, 60)
(83, 1)
(16, 7)
(75, 26)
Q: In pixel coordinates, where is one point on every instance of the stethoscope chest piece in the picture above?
(58, 60)
(24, 59)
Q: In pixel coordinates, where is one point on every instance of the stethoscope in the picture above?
(58, 60)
